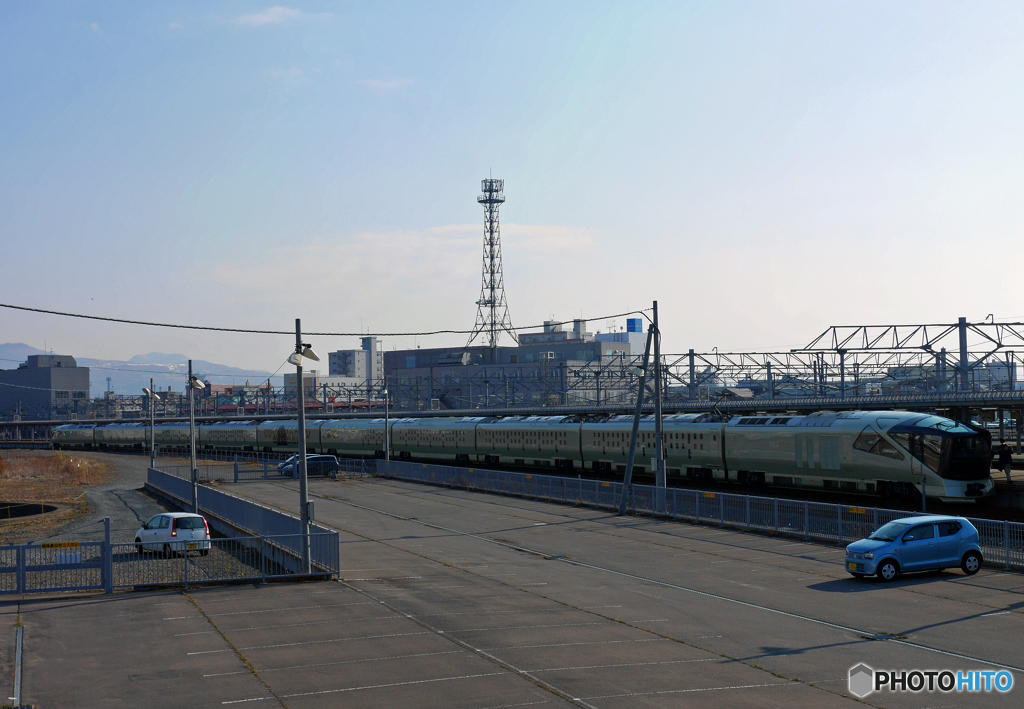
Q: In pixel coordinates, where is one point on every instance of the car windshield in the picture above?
(191, 523)
(889, 532)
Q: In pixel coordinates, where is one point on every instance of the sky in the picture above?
(763, 170)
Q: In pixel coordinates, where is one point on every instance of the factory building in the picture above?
(44, 385)
(553, 366)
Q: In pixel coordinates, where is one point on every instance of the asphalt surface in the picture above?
(460, 599)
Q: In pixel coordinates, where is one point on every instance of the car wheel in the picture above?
(204, 552)
(167, 551)
(888, 570)
(971, 563)
(138, 546)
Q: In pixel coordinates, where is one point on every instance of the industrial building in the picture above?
(44, 386)
(552, 367)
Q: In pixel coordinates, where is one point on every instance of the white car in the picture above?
(174, 532)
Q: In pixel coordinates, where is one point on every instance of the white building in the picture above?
(366, 364)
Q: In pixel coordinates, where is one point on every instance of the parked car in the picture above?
(174, 533)
(916, 544)
(316, 465)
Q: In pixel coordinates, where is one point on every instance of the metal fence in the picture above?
(1001, 542)
(103, 566)
(242, 469)
(249, 517)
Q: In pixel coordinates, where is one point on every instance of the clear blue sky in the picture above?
(764, 170)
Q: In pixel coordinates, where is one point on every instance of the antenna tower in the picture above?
(492, 316)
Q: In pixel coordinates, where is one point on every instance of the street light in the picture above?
(387, 427)
(193, 384)
(153, 398)
(302, 350)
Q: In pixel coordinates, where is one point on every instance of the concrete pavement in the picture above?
(453, 598)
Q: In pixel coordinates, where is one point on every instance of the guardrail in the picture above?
(1002, 542)
(250, 517)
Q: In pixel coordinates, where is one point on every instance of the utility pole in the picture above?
(627, 481)
(659, 451)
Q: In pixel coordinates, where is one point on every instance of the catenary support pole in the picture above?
(659, 434)
(303, 491)
(627, 481)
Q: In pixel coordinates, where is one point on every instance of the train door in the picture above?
(916, 448)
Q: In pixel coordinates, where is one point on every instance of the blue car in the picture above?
(916, 544)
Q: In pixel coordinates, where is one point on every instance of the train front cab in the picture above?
(953, 459)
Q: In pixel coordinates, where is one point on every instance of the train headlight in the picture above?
(869, 555)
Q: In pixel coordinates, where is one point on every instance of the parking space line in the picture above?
(524, 627)
(593, 642)
(340, 662)
(387, 578)
(310, 642)
(300, 625)
(629, 664)
(696, 689)
(364, 687)
(273, 610)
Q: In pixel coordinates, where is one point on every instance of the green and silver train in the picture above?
(884, 453)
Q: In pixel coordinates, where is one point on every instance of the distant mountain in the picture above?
(159, 358)
(13, 354)
(167, 370)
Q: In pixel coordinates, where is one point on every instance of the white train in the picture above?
(885, 453)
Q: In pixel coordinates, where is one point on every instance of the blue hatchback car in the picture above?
(916, 544)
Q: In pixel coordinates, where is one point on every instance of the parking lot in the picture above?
(452, 598)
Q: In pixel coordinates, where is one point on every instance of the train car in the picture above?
(175, 436)
(229, 435)
(123, 436)
(440, 439)
(353, 438)
(80, 435)
(890, 453)
(283, 436)
(540, 441)
(692, 445)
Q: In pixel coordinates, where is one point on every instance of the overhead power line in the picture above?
(291, 332)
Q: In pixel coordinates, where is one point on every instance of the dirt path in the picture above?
(119, 496)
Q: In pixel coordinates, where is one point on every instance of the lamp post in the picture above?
(387, 427)
(153, 398)
(193, 384)
(302, 350)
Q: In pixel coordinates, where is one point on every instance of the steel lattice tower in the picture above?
(492, 316)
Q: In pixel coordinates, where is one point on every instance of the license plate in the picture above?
(853, 567)
(193, 546)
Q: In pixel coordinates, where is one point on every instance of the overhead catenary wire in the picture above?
(290, 332)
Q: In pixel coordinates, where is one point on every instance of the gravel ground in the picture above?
(121, 498)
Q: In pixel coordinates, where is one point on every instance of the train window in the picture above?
(866, 440)
(884, 448)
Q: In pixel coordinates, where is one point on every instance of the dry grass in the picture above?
(57, 479)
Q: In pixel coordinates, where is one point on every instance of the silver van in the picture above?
(916, 544)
